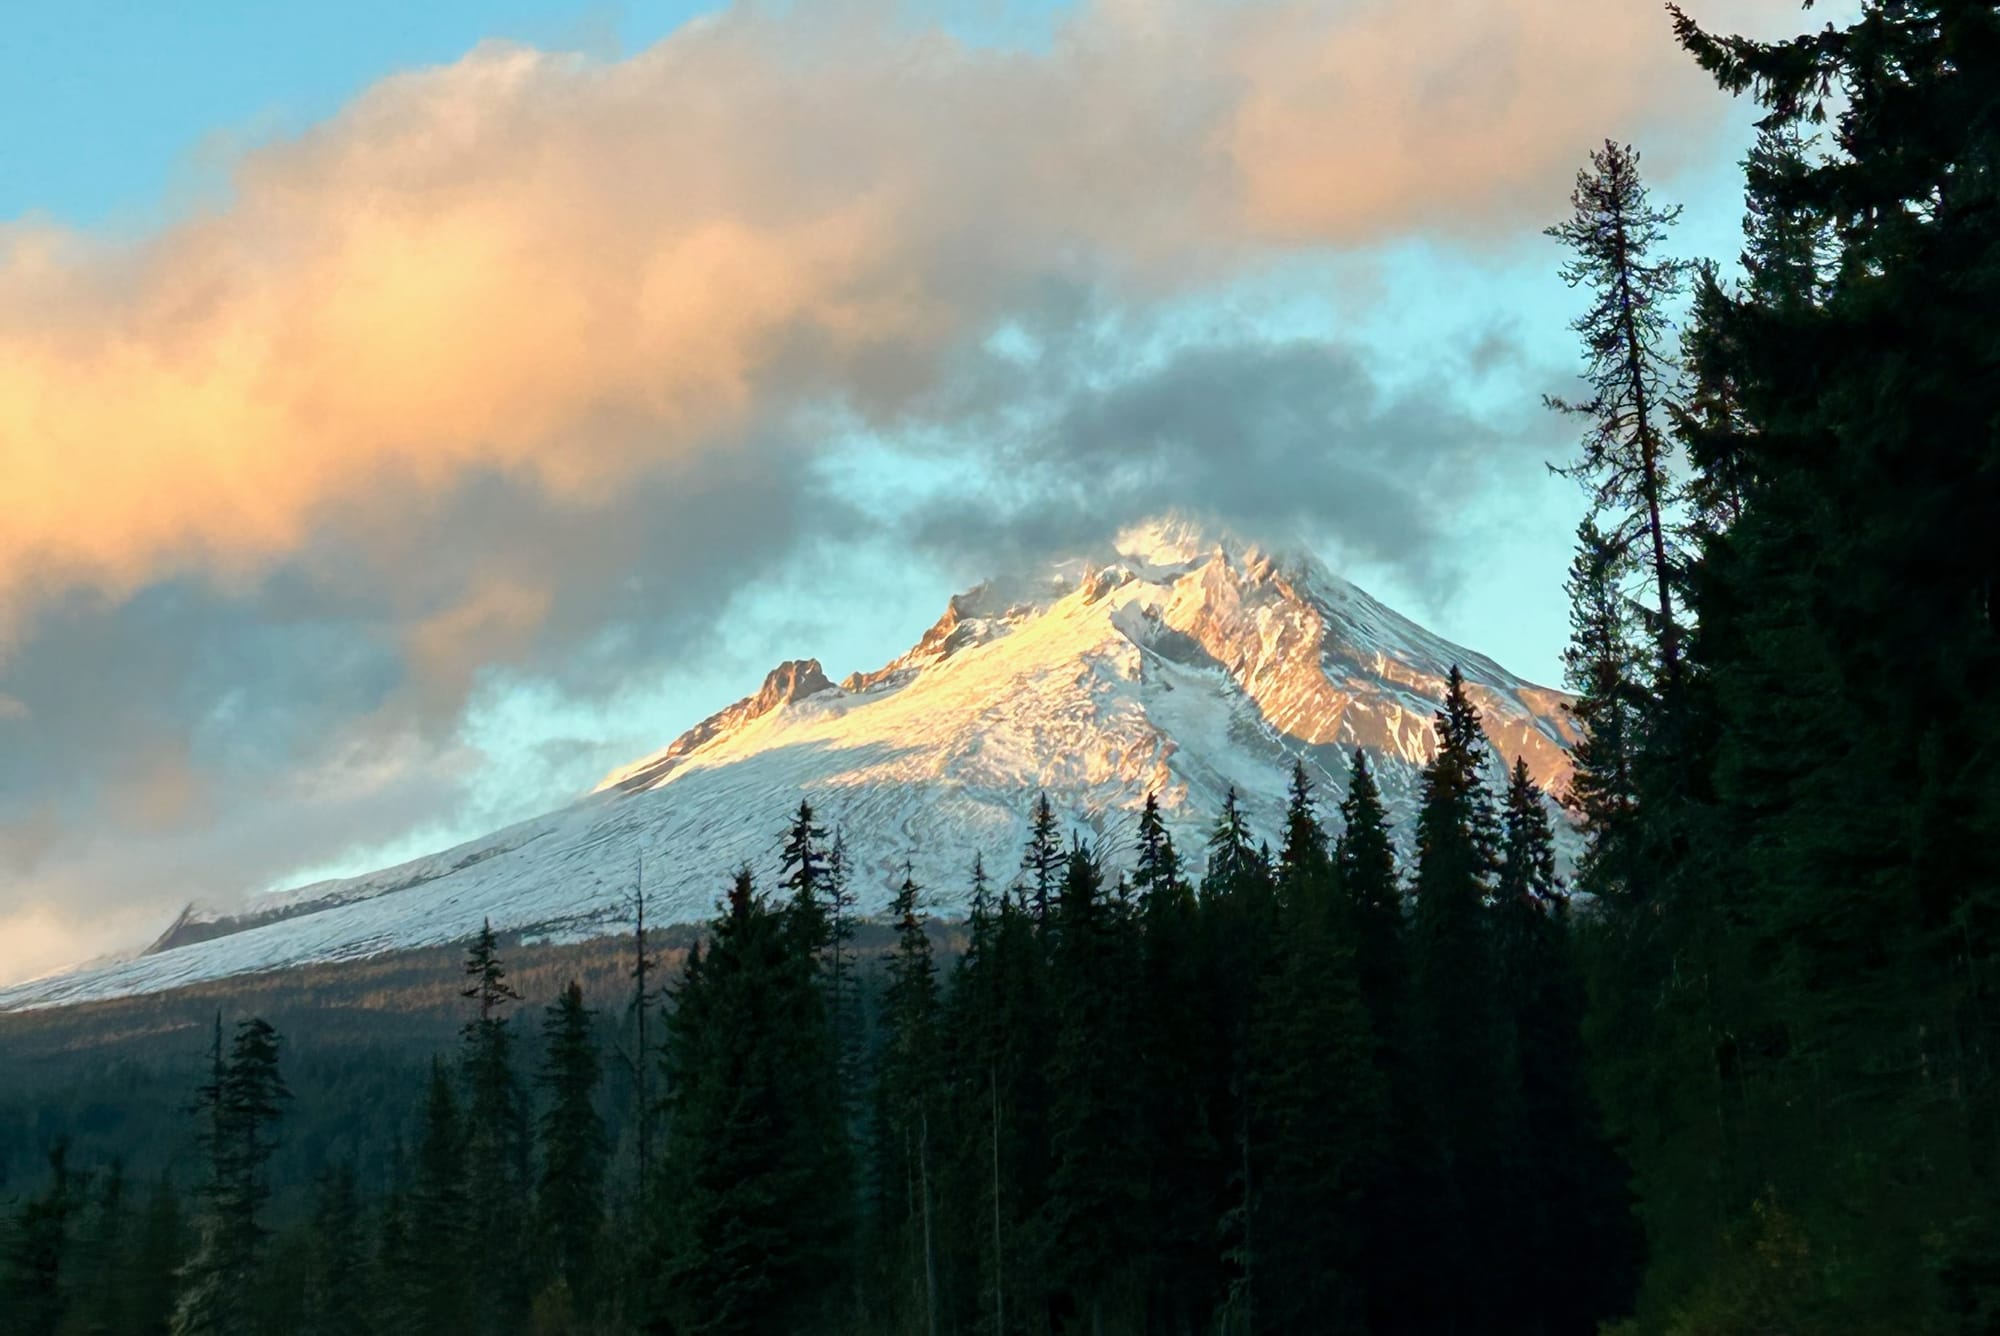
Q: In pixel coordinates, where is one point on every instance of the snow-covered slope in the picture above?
(1178, 662)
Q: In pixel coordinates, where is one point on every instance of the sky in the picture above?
(408, 413)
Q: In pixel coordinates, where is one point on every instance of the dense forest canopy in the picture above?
(1737, 1075)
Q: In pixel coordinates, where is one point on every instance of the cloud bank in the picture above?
(533, 361)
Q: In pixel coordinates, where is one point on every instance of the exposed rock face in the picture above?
(791, 680)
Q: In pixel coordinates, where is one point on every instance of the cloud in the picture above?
(534, 362)
(577, 272)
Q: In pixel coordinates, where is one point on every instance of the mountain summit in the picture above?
(1178, 661)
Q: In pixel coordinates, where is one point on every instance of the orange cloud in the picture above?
(573, 271)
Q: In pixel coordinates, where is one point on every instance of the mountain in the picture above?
(1178, 661)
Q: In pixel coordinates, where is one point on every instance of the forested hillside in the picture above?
(1735, 1075)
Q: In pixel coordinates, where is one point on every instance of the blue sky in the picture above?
(424, 408)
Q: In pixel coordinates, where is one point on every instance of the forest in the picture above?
(1733, 1072)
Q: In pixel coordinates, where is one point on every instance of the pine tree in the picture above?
(1318, 1102)
(569, 1193)
(435, 1263)
(1043, 861)
(242, 1100)
(103, 1259)
(33, 1282)
(1096, 1201)
(154, 1268)
(1599, 666)
(336, 1291)
(496, 1140)
(1179, 1052)
(910, 1091)
(1239, 913)
(804, 872)
(999, 1020)
(1463, 1079)
(754, 1237)
(1612, 234)
(1571, 1236)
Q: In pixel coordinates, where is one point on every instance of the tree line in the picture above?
(1742, 1080)
(1271, 1098)
(1784, 606)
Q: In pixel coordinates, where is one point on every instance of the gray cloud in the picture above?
(530, 366)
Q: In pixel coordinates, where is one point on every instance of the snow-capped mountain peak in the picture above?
(1179, 660)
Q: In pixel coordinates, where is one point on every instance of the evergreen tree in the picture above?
(1317, 1101)
(243, 1100)
(1463, 1076)
(1572, 1239)
(33, 1282)
(152, 1273)
(336, 1290)
(104, 1259)
(754, 1237)
(910, 1089)
(495, 1140)
(1239, 915)
(1179, 1052)
(1042, 862)
(437, 1241)
(999, 1019)
(1599, 666)
(1096, 1200)
(569, 1194)
(1612, 234)
(804, 872)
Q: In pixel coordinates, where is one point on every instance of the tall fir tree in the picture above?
(754, 1235)
(32, 1279)
(336, 1298)
(1179, 1051)
(1463, 1077)
(496, 1140)
(244, 1099)
(432, 1275)
(1613, 235)
(1318, 1102)
(1572, 1240)
(569, 1189)
(1043, 861)
(909, 1122)
(1096, 1203)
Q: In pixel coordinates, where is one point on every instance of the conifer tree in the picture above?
(1613, 234)
(33, 1282)
(244, 1099)
(1000, 1018)
(1463, 1078)
(1239, 914)
(104, 1259)
(1599, 666)
(436, 1225)
(1372, 900)
(1179, 1052)
(754, 1235)
(336, 1298)
(569, 1192)
(1570, 1237)
(1096, 1202)
(1043, 861)
(153, 1273)
(910, 1090)
(1317, 1101)
(804, 873)
(495, 1139)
